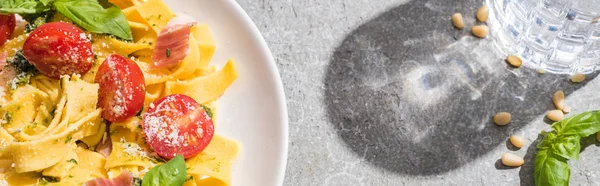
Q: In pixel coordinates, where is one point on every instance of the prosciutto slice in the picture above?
(3, 57)
(105, 146)
(172, 46)
(124, 179)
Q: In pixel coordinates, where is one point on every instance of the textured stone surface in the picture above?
(388, 93)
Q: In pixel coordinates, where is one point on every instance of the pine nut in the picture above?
(483, 13)
(578, 78)
(514, 61)
(480, 31)
(555, 115)
(502, 118)
(567, 109)
(458, 21)
(517, 141)
(558, 98)
(512, 160)
(541, 71)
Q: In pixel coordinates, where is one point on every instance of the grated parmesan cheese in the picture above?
(133, 149)
(110, 175)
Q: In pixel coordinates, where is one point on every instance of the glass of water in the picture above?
(558, 36)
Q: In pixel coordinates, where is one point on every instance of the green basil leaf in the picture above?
(208, 110)
(567, 147)
(171, 173)
(562, 144)
(46, 2)
(551, 170)
(90, 15)
(547, 139)
(24, 6)
(583, 124)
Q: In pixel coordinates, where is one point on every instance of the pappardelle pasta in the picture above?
(117, 93)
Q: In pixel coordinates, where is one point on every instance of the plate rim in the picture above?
(280, 93)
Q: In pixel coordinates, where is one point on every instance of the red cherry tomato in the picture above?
(59, 48)
(7, 27)
(122, 88)
(177, 124)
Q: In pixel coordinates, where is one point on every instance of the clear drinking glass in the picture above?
(559, 36)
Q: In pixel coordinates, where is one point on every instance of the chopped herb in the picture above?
(189, 178)
(70, 176)
(168, 52)
(208, 110)
(95, 58)
(159, 15)
(137, 181)
(24, 70)
(139, 113)
(153, 24)
(150, 43)
(36, 20)
(7, 117)
(47, 179)
(72, 161)
(69, 138)
(218, 168)
(21, 64)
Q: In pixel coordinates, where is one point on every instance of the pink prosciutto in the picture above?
(172, 46)
(124, 179)
(105, 146)
(3, 56)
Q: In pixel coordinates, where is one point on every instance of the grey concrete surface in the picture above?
(386, 92)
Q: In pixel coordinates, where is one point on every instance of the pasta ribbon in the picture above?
(156, 14)
(206, 43)
(90, 166)
(205, 88)
(213, 165)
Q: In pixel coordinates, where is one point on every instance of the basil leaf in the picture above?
(46, 2)
(551, 170)
(548, 138)
(567, 147)
(562, 144)
(90, 15)
(208, 110)
(583, 124)
(171, 173)
(24, 6)
(589, 126)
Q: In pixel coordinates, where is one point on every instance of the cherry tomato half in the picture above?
(59, 48)
(177, 124)
(7, 27)
(122, 88)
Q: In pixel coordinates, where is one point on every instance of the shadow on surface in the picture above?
(407, 97)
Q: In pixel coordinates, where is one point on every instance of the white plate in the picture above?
(253, 110)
